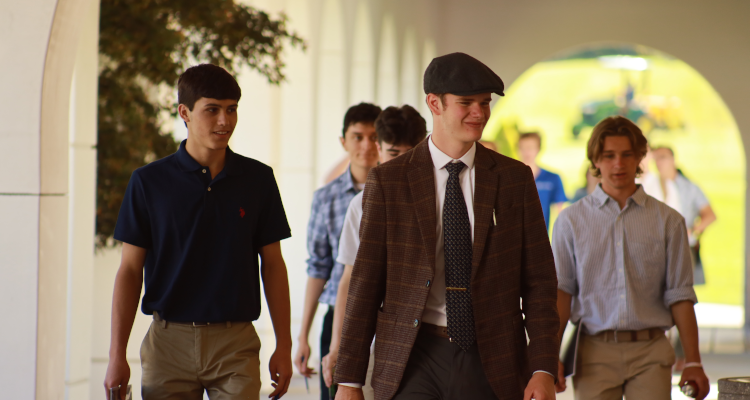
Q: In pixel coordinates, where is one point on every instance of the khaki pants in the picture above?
(181, 361)
(639, 370)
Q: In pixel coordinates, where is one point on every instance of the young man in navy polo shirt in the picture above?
(193, 225)
(548, 184)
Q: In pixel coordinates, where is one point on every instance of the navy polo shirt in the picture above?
(202, 236)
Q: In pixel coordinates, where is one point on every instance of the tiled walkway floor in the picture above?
(717, 366)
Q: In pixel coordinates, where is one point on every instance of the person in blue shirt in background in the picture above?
(548, 184)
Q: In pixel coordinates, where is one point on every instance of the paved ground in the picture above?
(716, 365)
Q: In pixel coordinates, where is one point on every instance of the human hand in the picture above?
(118, 374)
(697, 376)
(301, 359)
(349, 393)
(329, 363)
(541, 386)
(561, 385)
(280, 366)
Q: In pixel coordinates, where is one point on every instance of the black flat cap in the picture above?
(462, 75)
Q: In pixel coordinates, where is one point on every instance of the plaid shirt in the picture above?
(324, 230)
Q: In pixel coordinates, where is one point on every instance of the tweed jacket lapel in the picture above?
(422, 186)
(485, 191)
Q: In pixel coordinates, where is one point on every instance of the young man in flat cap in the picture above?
(452, 237)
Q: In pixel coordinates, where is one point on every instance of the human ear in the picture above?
(184, 112)
(433, 102)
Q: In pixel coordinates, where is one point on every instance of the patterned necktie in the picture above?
(458, 252)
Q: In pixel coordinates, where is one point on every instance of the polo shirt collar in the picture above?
(440, 159)
(232, 164)
(188, 164)
(639, 197)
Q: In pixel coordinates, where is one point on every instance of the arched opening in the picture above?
(564, 96)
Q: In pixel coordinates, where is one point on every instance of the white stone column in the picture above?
(24, 32)
(41, 41)
(54, 225)
(82, 209)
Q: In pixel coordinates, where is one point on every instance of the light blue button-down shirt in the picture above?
(623, 268)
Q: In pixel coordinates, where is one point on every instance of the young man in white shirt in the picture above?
(398, 130)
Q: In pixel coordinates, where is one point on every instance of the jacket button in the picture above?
(428, 283)
(416, 323)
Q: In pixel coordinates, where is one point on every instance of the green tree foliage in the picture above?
(144, 45)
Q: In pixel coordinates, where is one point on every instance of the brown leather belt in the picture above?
(435, 330)
(628, 336)
(158, 318)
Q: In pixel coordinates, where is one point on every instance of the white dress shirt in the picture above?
(349, 242)
(434, 312)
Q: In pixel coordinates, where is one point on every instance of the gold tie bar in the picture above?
(458, 289)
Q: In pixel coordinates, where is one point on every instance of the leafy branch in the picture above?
(144, 45)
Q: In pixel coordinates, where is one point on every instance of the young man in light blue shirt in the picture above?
(625, 276)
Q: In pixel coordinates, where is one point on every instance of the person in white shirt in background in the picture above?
(688, 199)
(399, 129)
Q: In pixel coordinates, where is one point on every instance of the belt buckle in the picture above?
(197, 325)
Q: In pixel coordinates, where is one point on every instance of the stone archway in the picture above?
(565, 95)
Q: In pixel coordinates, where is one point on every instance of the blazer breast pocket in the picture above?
(505, 218)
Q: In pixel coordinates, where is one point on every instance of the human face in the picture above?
(360, 141)
(211, 122)
(390, 151)
(528, 149)
(665, 163)
(618, 164)
(463, 118)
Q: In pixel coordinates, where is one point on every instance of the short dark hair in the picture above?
(531, 135)
(206, 80)
(365, 113)
(615, 126)
(401, 126)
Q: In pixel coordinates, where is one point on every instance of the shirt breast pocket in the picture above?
(647, 259)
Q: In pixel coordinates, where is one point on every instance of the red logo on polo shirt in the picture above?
(242, 212)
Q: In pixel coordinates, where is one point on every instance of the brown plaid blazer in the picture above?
(396, 257)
